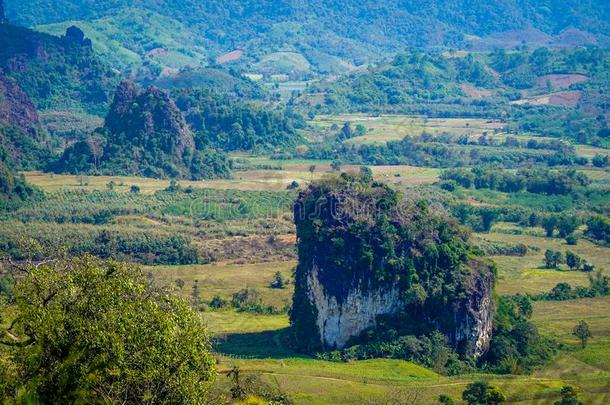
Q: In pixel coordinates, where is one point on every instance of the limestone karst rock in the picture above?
(16, 108)
(365, 252)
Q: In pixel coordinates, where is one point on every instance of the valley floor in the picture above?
(245, 249)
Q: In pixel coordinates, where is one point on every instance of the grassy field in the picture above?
(225, 279)
(395, 127)
(528, 275)
(247, 180)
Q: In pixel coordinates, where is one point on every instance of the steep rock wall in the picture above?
(364, 256)
(338, 322)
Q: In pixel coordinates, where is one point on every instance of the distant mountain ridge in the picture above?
(353, 31)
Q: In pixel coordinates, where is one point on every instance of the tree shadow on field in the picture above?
(271, 344)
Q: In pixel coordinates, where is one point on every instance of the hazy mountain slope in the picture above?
(137, 37)
(357, 31)
(56, 73)
(397, 17)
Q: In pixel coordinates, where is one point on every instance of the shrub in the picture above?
(481, 393)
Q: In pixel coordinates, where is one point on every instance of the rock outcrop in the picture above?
(364, 253)
(144, 134)
(16, 108)
(149, 120)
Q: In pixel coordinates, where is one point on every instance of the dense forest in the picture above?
(144, 134)
(56, 72)
(233, 125)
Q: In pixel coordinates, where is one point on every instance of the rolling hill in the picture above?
(352, 31)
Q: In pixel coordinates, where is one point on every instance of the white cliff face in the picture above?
(338, 323)
(483, 327)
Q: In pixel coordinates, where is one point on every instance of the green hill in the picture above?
(144, 134)
(57, 73)
(558, 93)
(140, 42)
(353, 31)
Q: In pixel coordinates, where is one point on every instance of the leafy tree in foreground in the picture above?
(83, 330)
(582, 332)
(481, 393)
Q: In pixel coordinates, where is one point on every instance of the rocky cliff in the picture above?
(16, 108)
(21, 139)
(365, 252)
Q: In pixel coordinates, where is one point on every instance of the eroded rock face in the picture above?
(16, 108)
(405, 263)
(339, 322)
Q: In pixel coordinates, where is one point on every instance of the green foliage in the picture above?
(278, 281)
(227, 124)
(481, 393)
(14, 190)
(541, 181)
(569, 396)
(445, 400)
(89, 331)
(217, 302)
(516, 346)
(20, 150)
(582, 332)
(57, 73)
(598, 228)
(552, 259)
(600, 160)
(574, 261)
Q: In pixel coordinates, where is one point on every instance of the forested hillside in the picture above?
(144, 134)
(234, 125)
(559, 93)
(330, 35)
(56, 73)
